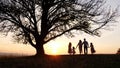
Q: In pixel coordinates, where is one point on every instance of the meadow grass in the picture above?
(63, 61)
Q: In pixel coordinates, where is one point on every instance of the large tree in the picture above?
(38, 21)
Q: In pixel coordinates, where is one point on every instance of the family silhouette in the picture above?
(81, 45)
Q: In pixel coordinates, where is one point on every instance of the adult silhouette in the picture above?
(70, 48)
(92, 48)
(85, 43)
(79, 45)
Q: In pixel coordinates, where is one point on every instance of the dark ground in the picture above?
(63, 61)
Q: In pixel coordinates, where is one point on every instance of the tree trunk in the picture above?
(40, 50)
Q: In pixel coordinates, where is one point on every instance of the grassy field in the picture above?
(63, 61)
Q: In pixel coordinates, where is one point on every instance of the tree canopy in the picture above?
(38, 21)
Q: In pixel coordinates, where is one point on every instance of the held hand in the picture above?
(76, 47)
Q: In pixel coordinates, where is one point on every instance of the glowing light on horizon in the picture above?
(53, 47)
(54, 51)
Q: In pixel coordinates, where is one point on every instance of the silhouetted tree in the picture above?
(38, 21)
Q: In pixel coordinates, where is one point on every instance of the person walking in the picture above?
(79, 45)
(85, 43)
(92, 48)
(70, 48)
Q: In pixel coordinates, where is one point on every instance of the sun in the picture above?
(54, 48)
(54, 52)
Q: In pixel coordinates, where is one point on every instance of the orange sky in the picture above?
(109, 42)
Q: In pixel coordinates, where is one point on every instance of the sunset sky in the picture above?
(108, 43)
